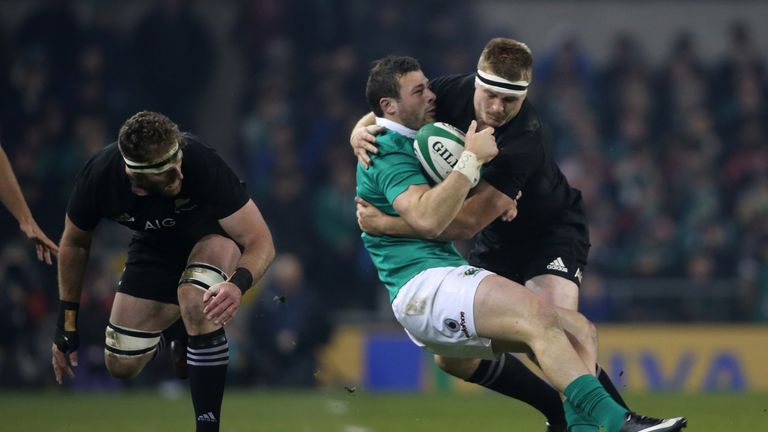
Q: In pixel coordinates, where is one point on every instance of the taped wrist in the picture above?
(66, 338)
(469, 166)
(68, 315)
(243, 278)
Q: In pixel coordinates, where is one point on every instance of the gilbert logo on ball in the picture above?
(438, 147)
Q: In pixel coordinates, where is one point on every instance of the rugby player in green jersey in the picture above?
(446, 306)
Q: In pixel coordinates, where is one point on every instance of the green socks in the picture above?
(589, 398)
(578, 422)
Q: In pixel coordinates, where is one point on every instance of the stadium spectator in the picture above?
(288, 324)
(174, 60)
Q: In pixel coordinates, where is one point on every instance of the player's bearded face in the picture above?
(416, 106)
(496, 109)
(166, 183)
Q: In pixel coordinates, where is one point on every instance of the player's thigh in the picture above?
(555, 290)
(146, 297)
(142, 314)
(216, 250)
(510, 314)
(436, 309)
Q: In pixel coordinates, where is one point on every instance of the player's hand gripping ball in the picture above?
(438, 147)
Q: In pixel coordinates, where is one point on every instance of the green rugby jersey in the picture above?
(392, 171)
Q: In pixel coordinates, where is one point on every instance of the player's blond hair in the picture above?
(507, 58)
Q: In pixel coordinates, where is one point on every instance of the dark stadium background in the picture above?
(659, 112)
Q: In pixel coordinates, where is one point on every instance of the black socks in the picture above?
(207, 358)
(509, 376)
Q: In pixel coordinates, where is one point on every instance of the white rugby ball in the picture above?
(438, 147)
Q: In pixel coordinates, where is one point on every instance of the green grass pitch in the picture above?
(329, 411)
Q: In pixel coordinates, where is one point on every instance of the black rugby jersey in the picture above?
(210, 191)
(524, 163)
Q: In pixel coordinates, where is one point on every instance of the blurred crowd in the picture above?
(671, 157)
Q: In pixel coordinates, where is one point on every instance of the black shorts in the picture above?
(153, 269)
(559, 249)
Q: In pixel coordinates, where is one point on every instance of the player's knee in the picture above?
(126, 351)
(545, 316)
(459, 367)
(199, 275)
(195, 280)
(122, 368)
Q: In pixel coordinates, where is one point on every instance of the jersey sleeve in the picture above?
(517, 160)
(83, 208)
(227, 193)
(396, 172)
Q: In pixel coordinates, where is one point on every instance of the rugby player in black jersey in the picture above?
(544, 247)
(199, 243)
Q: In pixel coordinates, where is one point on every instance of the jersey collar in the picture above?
(397, 127)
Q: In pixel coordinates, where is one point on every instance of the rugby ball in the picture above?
(438, 147)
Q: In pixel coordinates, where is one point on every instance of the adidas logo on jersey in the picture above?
(207, 417)
(558, 265)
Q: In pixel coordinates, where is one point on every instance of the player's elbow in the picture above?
(270, 252)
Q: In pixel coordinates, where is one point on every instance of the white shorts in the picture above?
(436, 309)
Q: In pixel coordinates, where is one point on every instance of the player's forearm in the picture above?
(73, 260)
(257, 256)
(463, 226)
(367, 120)
(468, 221)
(440, 205)
(396, 226)
(10, 192)
(479, 210)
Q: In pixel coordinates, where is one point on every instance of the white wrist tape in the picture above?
(469, 166)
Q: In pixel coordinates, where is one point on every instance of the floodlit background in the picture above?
(659, 112)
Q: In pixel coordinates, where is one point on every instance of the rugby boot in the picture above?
(639, 423)
(179, 358)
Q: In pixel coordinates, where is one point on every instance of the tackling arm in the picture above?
(430, 210)
(363, 138)
(477, 211)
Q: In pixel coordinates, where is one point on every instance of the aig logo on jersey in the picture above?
(159, 223)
